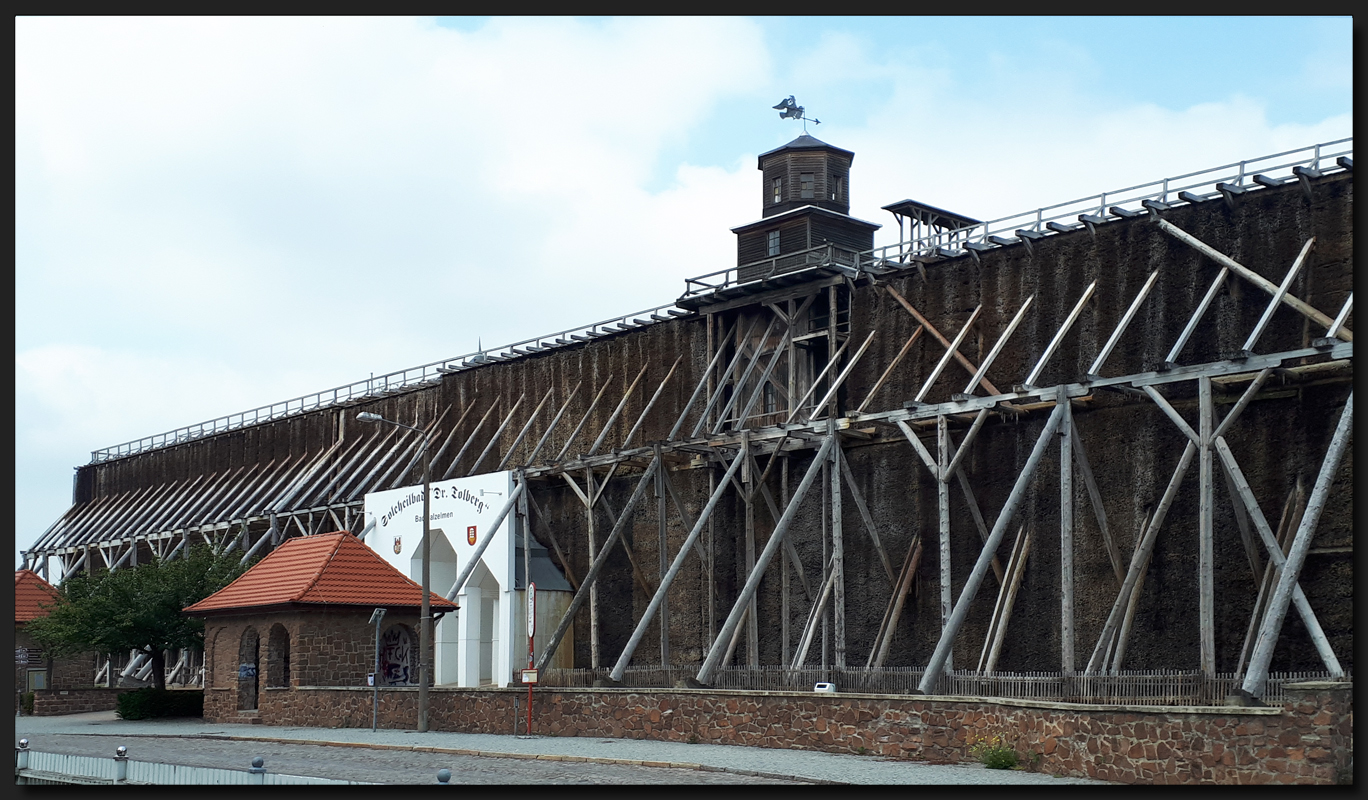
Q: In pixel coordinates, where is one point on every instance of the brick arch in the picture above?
(278, 656)
(210, 653)
(249, 662)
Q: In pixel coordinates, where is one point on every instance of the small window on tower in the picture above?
(806, 182)
(773, 243)
(836, 187)
(778, 185)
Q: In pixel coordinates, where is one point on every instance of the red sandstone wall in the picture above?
(1307, 741)
(55, 702)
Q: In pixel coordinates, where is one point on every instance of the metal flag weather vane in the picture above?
(789, 109)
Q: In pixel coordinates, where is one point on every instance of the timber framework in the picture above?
(1121, 423)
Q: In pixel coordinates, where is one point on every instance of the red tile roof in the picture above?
(326, 569)
(31, 593)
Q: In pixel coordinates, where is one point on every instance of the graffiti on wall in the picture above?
(396, 656)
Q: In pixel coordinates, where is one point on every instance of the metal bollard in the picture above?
(444, 776)
(258, 769)
(121, 765)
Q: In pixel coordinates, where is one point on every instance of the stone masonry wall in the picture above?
(55, 702)
(1308, 740)
(328, 647)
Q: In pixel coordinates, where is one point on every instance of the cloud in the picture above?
(213, 214)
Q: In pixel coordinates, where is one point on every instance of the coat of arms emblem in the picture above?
(470, 534)
(398, 546)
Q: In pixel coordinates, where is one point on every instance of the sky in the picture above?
(213, 215)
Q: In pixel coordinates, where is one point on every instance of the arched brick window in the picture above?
(210, 653)
(249, 658)
(278, 657)
(398, 656)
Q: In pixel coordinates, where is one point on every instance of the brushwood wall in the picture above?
(1132, 447)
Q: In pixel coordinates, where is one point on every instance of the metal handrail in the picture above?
(1204, 184)
(979, 236)
(381, 385)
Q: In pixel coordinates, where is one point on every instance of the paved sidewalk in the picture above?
(805, 765)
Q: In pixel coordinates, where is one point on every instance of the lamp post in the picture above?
(425, 616)
(376, 615)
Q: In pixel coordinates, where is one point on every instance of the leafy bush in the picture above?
(994, 753)
(150, 703)
(26, 702)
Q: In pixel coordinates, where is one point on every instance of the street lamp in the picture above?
(425, 616)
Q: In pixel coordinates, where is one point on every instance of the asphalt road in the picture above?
(408, 757)
(387, 766)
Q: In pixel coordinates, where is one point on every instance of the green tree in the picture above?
(135, 608)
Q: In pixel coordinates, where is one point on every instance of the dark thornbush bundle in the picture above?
(150, 703)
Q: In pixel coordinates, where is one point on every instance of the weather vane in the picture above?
(789, 109)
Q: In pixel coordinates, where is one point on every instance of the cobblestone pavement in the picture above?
(406, 756)
(388, 766)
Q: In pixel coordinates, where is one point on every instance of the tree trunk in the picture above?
(158, 675)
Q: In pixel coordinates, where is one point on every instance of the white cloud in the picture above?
(214, 214)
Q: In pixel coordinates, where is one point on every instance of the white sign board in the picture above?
(531, 610)
(462, 510)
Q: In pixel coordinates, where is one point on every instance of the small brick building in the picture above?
(33, 670)
(301, 618)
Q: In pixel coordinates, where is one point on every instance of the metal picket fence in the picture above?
(1128, 687)
(36, 768)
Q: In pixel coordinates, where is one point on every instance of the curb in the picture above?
(538, 757)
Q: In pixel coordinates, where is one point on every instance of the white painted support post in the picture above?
(1257, 676)
(943, 647)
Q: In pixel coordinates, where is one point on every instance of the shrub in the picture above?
(150, 703)
(26, 702)
(994, 753)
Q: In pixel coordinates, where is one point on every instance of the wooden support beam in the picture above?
(539, 516)
(711, 662)
(494, 440)
(607, 426)
(531, 418)
(588, 411)
(1080, 456)
(941, 657)
(451, 468)
(1271, 626)
(837, 547)
(531, 457)
(884, 639)
(1250, 275)
(591, 576)
(1141, 555)
(1066, 546)
(658, 598)
(865, 516)
(1206, 603)
(966, 363)
(1275, 555)
(1002, 610)
(916, 334)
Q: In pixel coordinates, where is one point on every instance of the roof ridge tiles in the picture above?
(323, 565)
